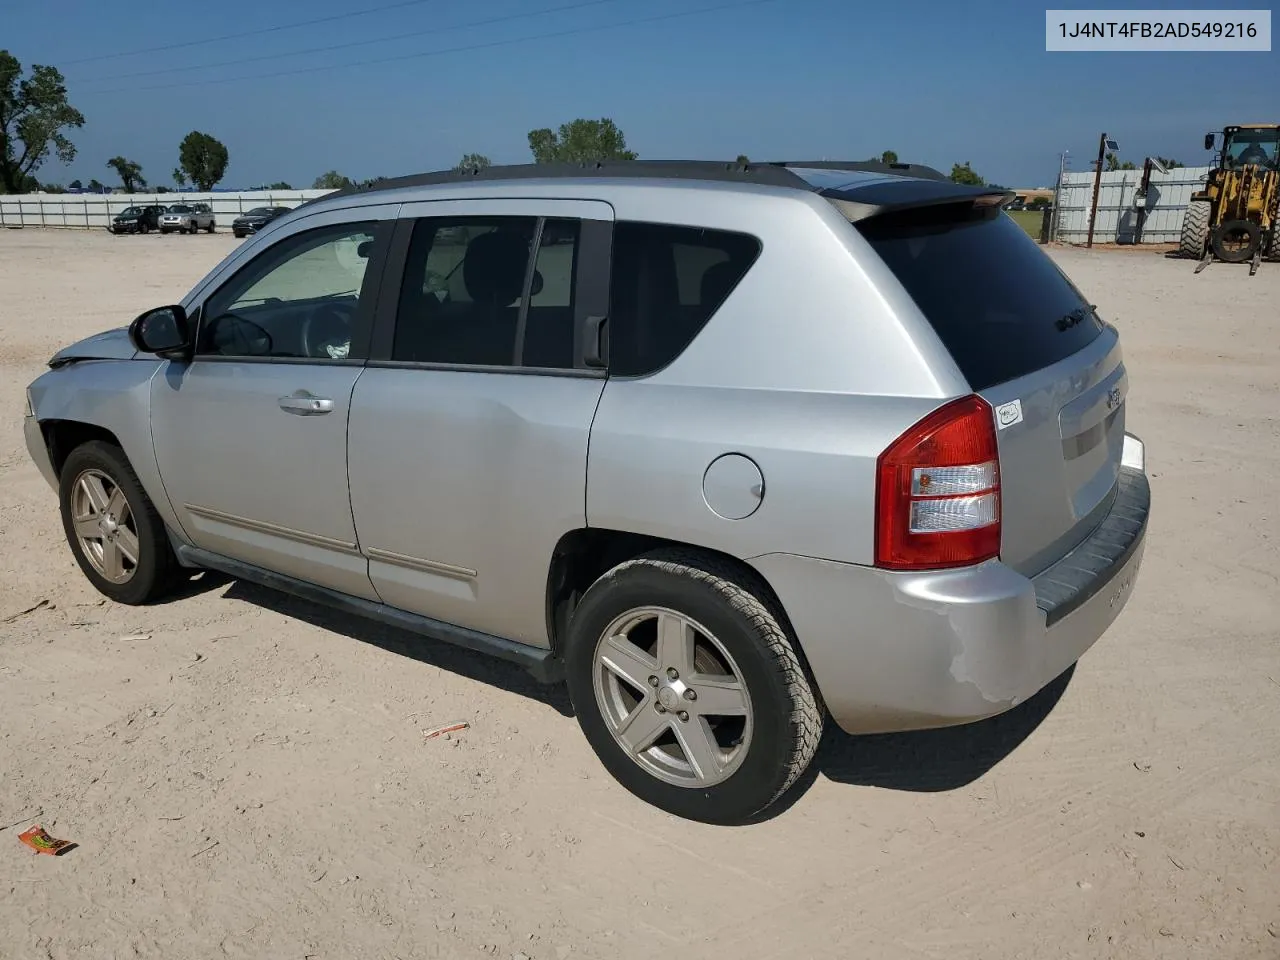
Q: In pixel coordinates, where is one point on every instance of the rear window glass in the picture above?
(1000, 306)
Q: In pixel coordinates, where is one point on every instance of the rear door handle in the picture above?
(303, 404)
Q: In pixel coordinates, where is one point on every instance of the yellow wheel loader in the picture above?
(1236, 217)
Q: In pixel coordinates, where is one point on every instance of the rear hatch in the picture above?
(1032, 346)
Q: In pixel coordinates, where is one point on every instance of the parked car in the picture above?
(741, 449)
(256, 219)
(188, 218)
(137, 219)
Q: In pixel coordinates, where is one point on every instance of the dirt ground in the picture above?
(245, 775)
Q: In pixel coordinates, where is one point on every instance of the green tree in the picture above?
(1114, 163)
(1169, 163)
(34, 113)
(580, 141)
(332, 180)
(963, 173)
(203, 159)
(472, 162)
(179, 178)
(279, 185)
(743, 159)
(889, 156)
(75, 185)
(130, 174)
(95, 186)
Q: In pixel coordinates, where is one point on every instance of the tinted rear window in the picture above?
(997, 302)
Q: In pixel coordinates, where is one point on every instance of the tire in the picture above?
(1195, 229)
(1243, 253)
(163, 230)
(212, 225)
(153, 570)
(195, 228)
(775, 740)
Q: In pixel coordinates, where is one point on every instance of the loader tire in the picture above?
(1195, 229)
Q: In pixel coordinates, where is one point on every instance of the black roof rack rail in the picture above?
(868, 166)
(764, 174)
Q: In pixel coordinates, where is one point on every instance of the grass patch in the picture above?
(1029, 220)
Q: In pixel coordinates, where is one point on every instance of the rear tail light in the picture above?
(938, 491)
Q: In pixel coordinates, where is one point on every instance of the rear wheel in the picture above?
(688, 686)
(1195, 229)
(1235, 241)
(113, 528)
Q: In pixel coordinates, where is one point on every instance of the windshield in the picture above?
(259, 212)
(1254, 146)
(179, 208)
(131, 211)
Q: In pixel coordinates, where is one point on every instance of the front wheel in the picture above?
(113, 528)
(1195, 229)
(689, 687)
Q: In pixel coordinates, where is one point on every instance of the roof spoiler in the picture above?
(862, 201)
(918, 170)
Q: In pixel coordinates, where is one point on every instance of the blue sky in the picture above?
(785, 79)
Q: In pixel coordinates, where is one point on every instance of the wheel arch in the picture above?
(583, 555)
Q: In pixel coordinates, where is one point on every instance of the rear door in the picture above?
(469, 427)
(1030, 343)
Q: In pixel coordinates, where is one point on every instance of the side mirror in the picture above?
(1208, 141)
(162, 331)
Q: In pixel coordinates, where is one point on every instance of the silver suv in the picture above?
(727, 448)
(188, 218)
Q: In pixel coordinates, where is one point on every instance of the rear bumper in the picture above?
(906, 651)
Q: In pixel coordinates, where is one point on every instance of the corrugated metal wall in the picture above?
(94, 211)
(1117, 221)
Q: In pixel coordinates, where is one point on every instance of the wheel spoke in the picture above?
(88, 528)
(700, 747)
(627, 661)
(642, 726)
(719, 696)
(95, 492)
(675, 643)
(127, 544)
(112, 561)
(117, 506)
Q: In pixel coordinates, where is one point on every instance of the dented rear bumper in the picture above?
(903, 651)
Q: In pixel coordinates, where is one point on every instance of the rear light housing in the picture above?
(938, 491)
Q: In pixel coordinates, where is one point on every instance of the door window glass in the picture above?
(468, 293)
(300, 298)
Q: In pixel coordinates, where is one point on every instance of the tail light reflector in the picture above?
(938, 491)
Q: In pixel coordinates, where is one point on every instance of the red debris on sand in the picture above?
(41, 842)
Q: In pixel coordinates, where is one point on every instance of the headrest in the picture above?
(493, 272)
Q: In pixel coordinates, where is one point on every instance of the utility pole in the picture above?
(1103, 144)
(1055, 222)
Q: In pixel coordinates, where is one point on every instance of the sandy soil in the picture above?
(246, 777)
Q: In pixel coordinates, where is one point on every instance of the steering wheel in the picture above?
(328, 326)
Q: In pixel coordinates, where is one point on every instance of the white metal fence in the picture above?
(94, 211)
(1118, 216)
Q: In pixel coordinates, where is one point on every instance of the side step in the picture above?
(543, 665)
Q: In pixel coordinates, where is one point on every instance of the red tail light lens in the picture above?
(938, 491)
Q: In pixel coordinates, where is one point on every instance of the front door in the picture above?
(469, 429)
(251, 436)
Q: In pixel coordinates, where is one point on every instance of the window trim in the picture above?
(592, 266)
(362, 331)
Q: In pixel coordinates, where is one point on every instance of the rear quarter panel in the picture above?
(814, 364)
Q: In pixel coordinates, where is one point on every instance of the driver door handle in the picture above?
(303, 404)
